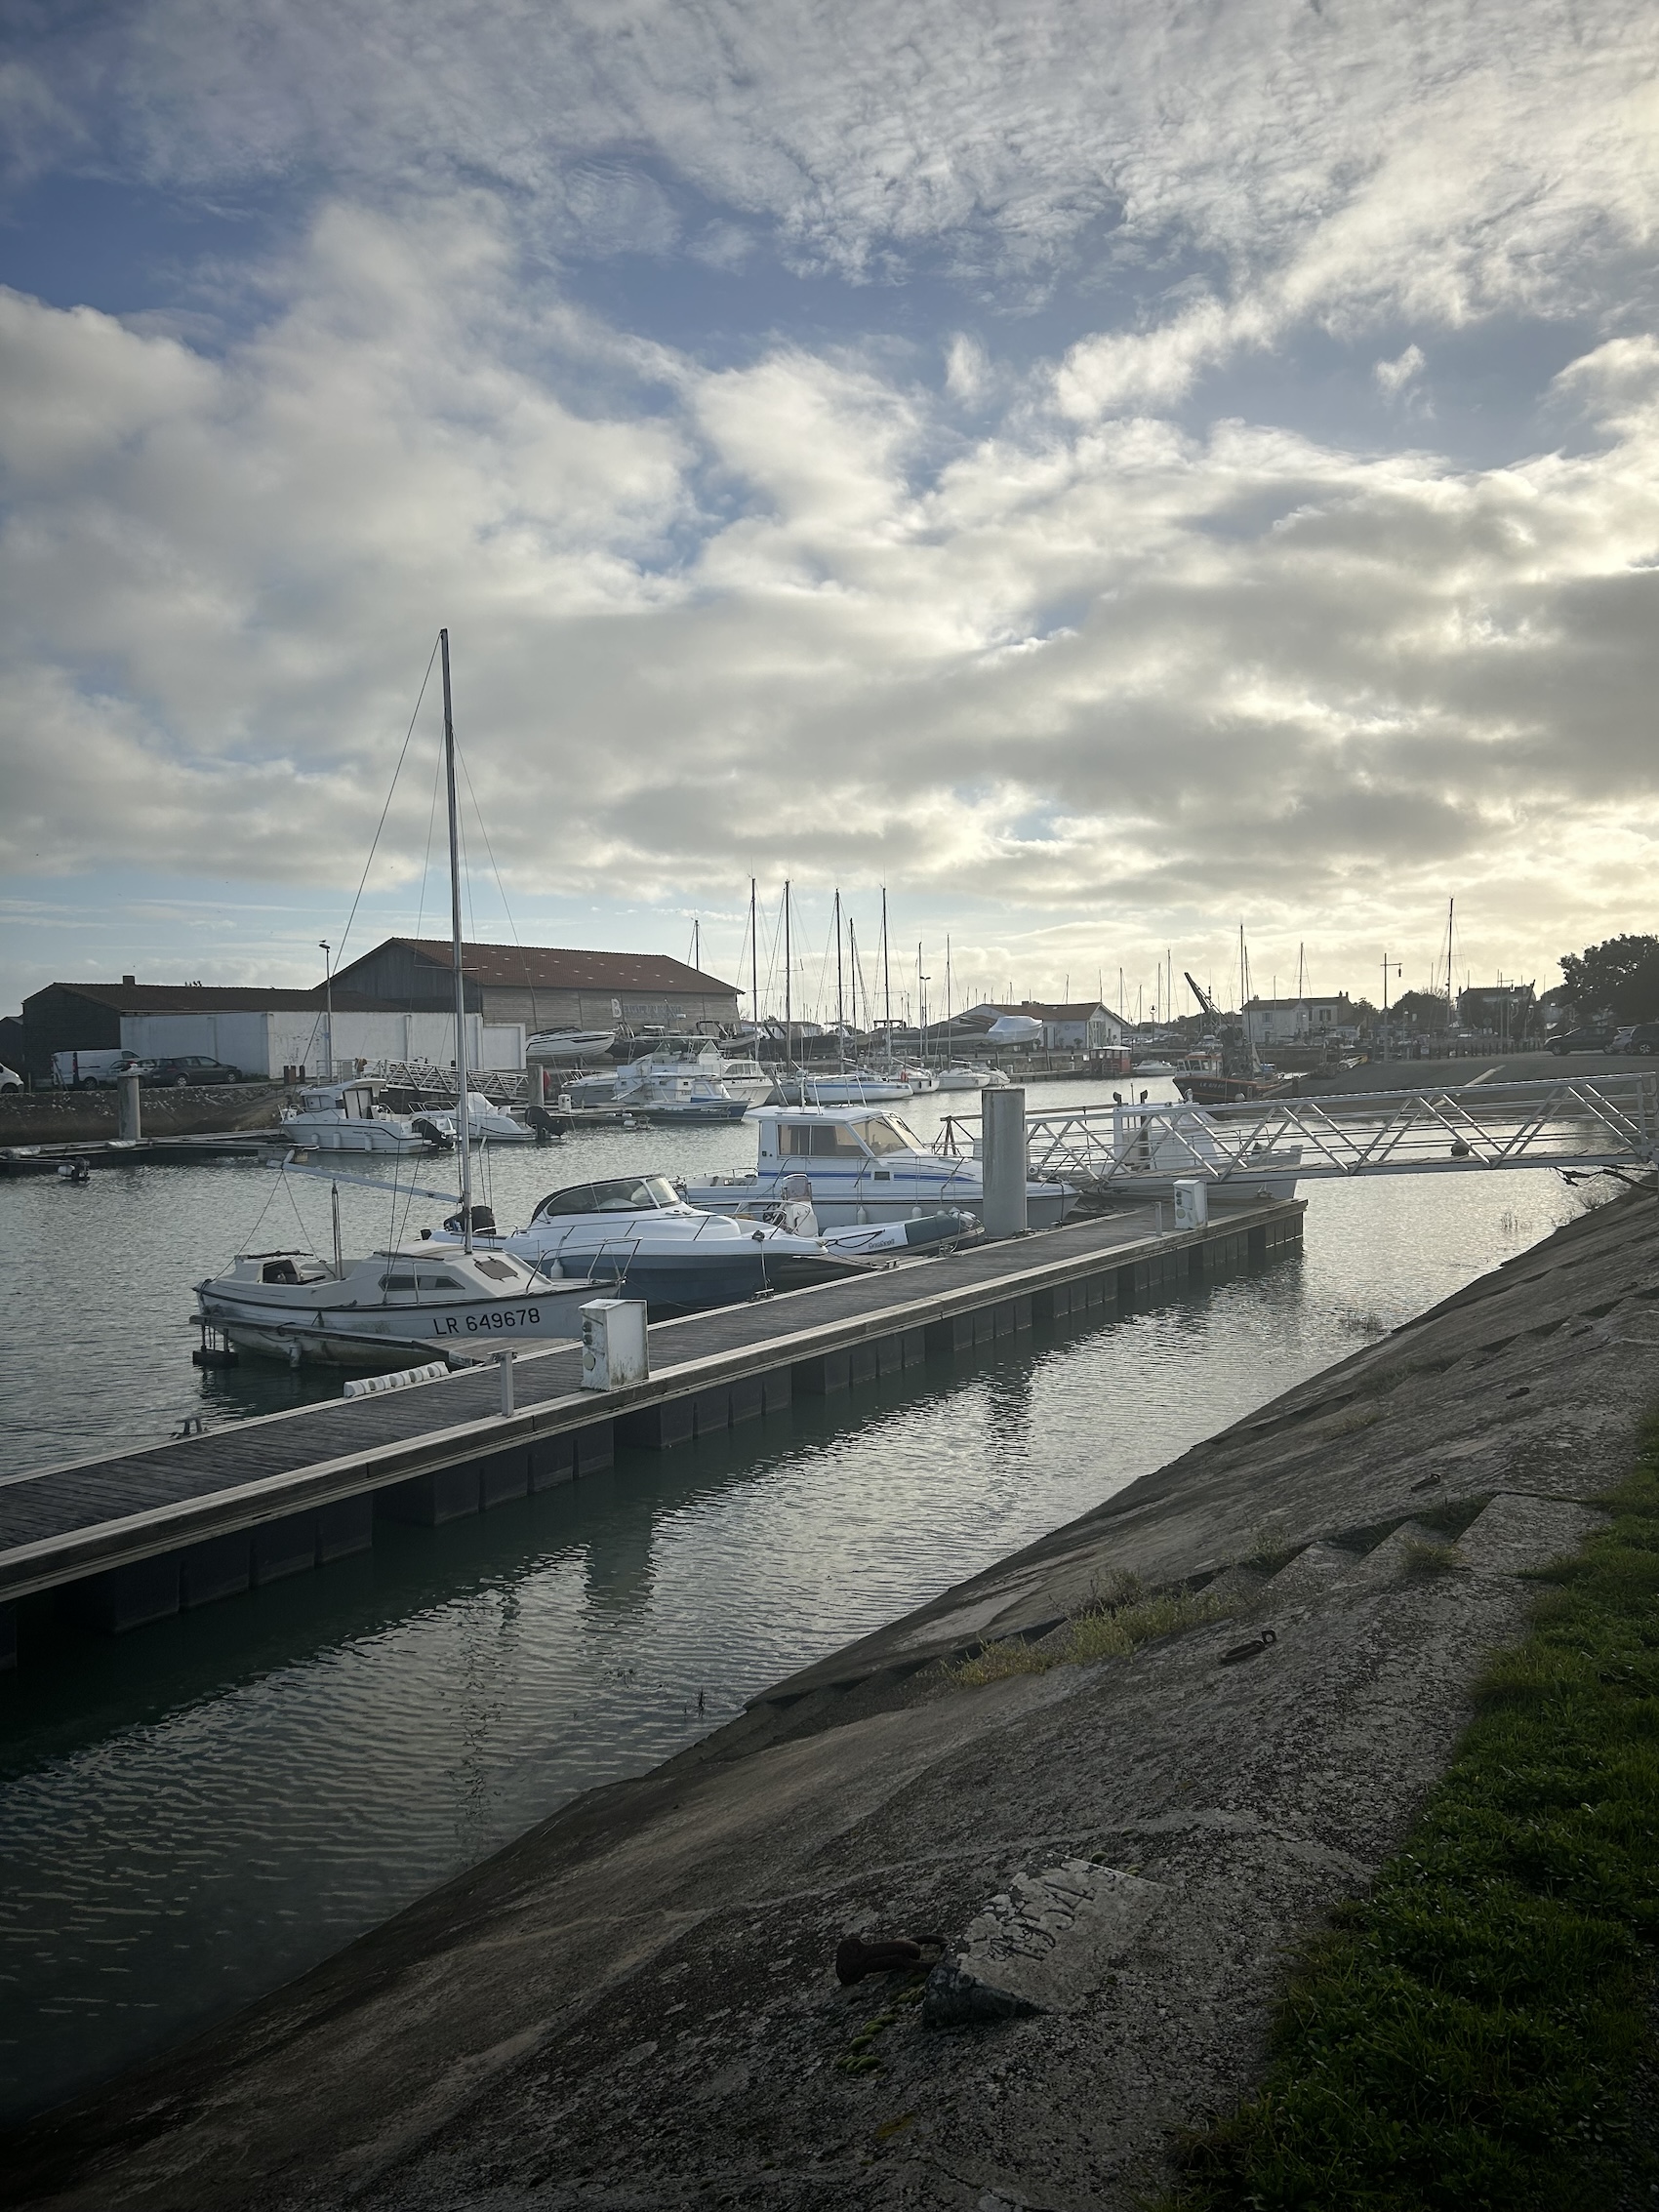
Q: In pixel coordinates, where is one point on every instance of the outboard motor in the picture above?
(548, 1126)
(440, 1139)
(483, 1222)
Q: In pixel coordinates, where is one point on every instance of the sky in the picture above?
(1111, 474)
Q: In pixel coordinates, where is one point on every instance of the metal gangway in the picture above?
(1578, 1123)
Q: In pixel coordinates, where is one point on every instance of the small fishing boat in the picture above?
(859, 1164)
(294, 1305)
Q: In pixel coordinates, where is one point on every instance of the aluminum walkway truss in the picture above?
(1263, 1147)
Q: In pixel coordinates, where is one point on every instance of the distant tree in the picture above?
(1620, 975)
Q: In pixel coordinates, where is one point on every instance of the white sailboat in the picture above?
(373, 1311)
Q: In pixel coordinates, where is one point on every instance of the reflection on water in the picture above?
(203, 1809)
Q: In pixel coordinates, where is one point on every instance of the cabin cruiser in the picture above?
(374, 1313)
(342, 1117)
(664, 1094)
(638, 1231)
(862, 1164)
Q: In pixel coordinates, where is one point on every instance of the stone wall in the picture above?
(78, 1117)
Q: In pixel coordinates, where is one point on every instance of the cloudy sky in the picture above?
(1109, 473)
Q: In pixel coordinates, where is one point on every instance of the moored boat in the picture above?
(862, 1164)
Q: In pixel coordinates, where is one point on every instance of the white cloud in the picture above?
(1393, 377)
(791, 621)
(806, 609)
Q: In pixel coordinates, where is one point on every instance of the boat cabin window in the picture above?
(397, 1282)
(623, 1195)
(820, 1140)
(279, 1271)
(885, 1135)
(439, 1282)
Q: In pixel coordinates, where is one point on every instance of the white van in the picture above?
(100, 1068)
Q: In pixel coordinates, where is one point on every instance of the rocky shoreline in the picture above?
(635, 2005)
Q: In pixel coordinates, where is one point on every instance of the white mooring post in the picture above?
(129, 1121)
(1004, 1164)
(503, 1360)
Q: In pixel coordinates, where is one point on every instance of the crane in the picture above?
(1212, 1012)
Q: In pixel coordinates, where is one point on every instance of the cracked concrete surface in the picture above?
(633, 2006)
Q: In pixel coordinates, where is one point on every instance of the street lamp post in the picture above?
(328, 1004)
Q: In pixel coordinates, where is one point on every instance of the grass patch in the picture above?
(1111, 1625)
(1467, 2035)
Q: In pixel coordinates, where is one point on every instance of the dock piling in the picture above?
(129, 1122)
(1006, 1169)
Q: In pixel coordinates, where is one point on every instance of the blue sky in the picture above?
(1108, 474)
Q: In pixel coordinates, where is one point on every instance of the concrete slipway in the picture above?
(634, 2005)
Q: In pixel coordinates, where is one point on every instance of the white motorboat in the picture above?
(486, 1122)
(638, 1232)
(375, 1312)
(342, 1117)
(861, 1164)
(1154, 1067)
(743, 1077)
(965, 1077)
(567, 1048)
(841, 1087)
(661, 1095)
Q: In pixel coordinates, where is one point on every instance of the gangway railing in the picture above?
(1583, 1123)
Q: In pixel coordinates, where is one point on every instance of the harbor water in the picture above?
(193, 1814)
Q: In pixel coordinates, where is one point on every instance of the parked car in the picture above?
(1582, 1040)
(190, 1067)
(1639, 1036)
(10, 1079)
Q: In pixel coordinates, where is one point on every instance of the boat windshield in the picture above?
(887, 1134)
(623, 1195)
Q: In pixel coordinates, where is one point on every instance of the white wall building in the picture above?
(1295, 1020)
(265, 1044)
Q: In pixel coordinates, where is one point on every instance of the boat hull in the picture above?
(345, 1335)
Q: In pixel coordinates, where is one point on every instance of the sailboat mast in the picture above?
(886, 980)
(753, 966)
(789, 1043)
(841, 1015)
(463, 1119)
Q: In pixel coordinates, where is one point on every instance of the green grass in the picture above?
(1110, 1626)
(1466, 2037)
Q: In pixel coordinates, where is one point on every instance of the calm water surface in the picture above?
(199, 1811)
